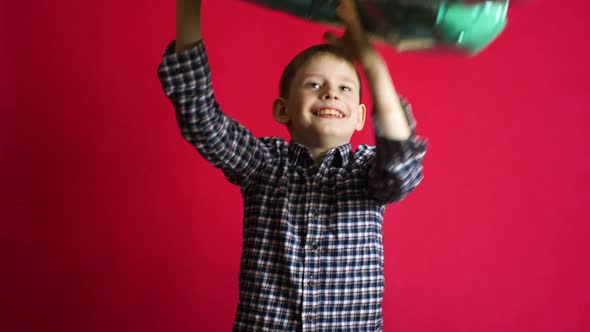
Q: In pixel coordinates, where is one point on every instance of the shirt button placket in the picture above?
(312, 259)
(314, 214)
(314, 246)
(311, 282)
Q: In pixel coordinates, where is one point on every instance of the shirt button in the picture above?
(311, 283)
(310, 317)
(314, 246)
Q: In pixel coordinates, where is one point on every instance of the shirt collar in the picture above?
(299, 155)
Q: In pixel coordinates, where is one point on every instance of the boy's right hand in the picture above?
(355, 41)
(188, 24)
(390, 114)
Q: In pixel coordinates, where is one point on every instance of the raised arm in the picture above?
(388, 110)
(397, 167)
(188, 24)
(186, 80)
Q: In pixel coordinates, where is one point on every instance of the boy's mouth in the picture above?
(328, 113)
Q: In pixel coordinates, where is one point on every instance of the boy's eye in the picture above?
(345, 88)
(313, 85)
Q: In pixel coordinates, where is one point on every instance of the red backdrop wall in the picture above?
(111, 222)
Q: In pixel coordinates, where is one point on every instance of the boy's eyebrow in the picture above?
(350, 80)
(342, 78)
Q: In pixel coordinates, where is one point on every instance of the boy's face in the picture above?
(323, 106)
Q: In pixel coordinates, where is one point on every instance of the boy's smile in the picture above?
(323, 108)
(328, 112)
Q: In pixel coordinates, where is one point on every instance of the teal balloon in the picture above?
(471, 26)
(467, 26)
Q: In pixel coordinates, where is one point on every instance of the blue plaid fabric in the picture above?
(312, 256)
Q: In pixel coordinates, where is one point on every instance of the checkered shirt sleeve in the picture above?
(186, 81)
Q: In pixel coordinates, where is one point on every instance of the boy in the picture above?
(312, 256)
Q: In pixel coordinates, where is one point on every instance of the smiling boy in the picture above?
(312, 257)
(320, 101)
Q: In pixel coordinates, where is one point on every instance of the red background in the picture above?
(111, 222)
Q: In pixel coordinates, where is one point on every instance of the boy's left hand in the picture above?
(354, 42)
(390, 115)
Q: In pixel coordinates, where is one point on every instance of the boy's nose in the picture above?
(329, 95)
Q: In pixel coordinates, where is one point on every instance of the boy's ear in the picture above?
(279, 110)
(362, 117)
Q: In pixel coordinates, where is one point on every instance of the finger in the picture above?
(341, 9)
(346, 10)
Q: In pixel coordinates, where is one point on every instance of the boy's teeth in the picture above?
(329, 112)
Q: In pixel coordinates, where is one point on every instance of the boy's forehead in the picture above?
(328, 64)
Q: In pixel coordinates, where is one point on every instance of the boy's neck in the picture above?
(317, 154)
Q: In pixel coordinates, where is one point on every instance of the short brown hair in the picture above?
(304, 57)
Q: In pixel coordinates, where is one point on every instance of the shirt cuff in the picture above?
(189, 60)
(187, 70)
(394, 152)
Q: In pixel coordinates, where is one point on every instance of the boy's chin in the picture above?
(322, 135)
(334, 134)
(332, 139)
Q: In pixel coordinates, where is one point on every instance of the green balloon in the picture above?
(466, 25)
(471, 26)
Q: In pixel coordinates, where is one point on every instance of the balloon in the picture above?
(465, 26)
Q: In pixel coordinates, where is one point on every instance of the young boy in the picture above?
(312, 256)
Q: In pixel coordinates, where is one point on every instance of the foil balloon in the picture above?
(464, 26)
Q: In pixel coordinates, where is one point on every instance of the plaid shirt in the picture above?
(312, 257)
